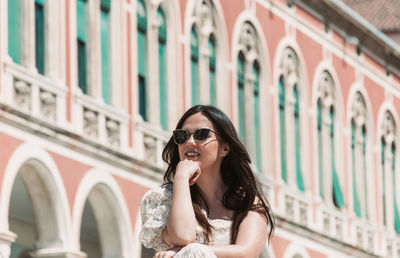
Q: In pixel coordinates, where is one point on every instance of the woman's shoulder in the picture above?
(161, 193)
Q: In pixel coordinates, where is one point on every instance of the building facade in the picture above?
(90, 91)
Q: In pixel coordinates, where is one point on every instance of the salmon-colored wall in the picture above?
(312, 53)
(6, 152)
(273, 30)
(133, 194)
(72, 173)
(280, 245)
(231, 12)
(308, 17)
(376, 97)
(346, 77)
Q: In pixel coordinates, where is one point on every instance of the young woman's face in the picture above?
(207, 153)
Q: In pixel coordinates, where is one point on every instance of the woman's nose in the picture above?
(191, 139)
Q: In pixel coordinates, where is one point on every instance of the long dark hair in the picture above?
(243, 186)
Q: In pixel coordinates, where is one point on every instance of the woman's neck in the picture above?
(212, 186)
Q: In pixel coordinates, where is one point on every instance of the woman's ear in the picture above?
(225, 150)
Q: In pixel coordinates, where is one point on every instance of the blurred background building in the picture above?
(90, 91)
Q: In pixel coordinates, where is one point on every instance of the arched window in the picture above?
(206, 28)
(241, 107)
(194, 64)
(105, 46)
(212, 70)
(359, 156)
(256, 99)
(14, 7)
(162, 42)
(289, 119)
(248, 83)
(142, 58)
(282, 128)
(329, 183)
(39, 35)
(299, 175)
(81, 6)
(390, 209)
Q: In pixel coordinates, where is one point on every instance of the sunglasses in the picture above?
(181, 136)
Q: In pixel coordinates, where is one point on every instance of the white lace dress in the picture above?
(154, 210)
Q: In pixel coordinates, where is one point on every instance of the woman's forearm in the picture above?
(181, 224)
(232, 251)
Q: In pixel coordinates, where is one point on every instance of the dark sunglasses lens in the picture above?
(180, 136)
(202, 134)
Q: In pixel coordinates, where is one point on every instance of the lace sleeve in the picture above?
(154, 210)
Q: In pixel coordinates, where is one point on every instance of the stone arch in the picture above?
(295, 250)
(47, 193)
(103, 193)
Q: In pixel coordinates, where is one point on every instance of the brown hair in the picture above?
(243, 186)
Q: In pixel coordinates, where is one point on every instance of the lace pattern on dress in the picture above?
(155, 207)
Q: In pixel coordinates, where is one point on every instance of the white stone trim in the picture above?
(50, 175)
(294, 250)
(104, 183)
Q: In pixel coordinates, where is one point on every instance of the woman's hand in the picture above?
(189, 170)
(167, 253)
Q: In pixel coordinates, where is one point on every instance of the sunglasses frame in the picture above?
(189, 134)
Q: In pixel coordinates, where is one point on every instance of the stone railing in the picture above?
(267, 187)
(101, 123)
(294, 206)
(390, 245)
(364, 235)
(331, 222)
(150, 140)
(34, 94)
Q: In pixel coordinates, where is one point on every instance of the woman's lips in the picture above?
(191, 155)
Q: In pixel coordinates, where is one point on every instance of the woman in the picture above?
(210, 203)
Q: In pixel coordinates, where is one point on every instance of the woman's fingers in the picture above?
(165, 254)
(189, 169)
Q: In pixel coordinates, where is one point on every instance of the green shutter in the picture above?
(383, 146)
(282, 128)
(320, 159)
(356, 201)
(337, 192)
(299, 174)
(241, 107)
(364, 143)
(81, 44)
(39, 36)
(162, 37)
(105, 55)
(257, 136)
(212, 65)
(142, 59)
(14, 30)
(194, 53)
(395, 207)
